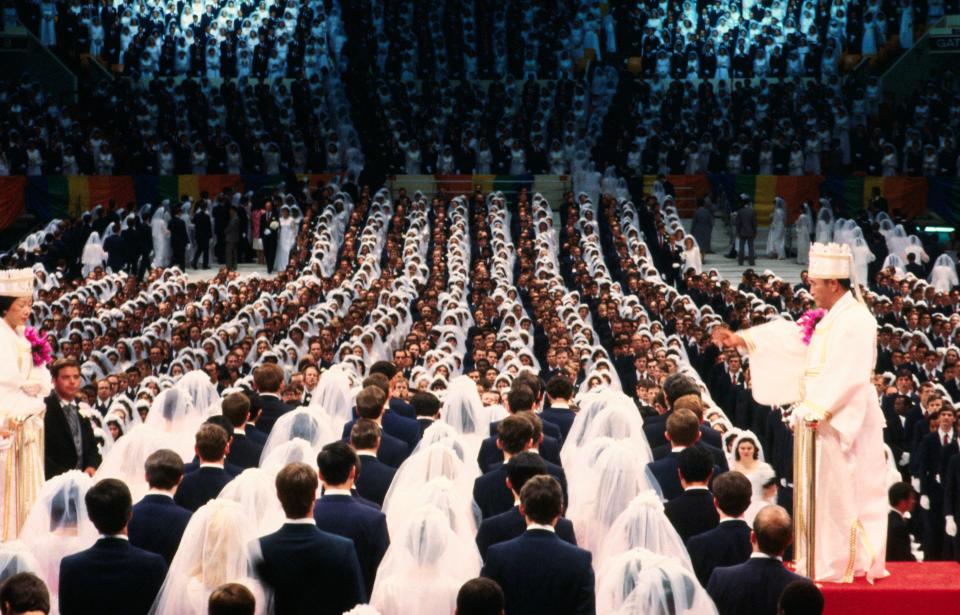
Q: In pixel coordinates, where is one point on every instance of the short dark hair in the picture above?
(559, 387)
(377, 380)
(513, 433)
(335, 460)
(386, 368)
(542, 499)
(268, 378)
(236, 408)
(520, 398)
(60, 364)
(800, 597)
(109, 505)
(231, 599)
(211, 442)
(676, 386)
(425, 403)
(364, 434)
(524, 466)
(529, 380)
(733, 491)
(683, 427)
(899, 492)
(480, 596)
(695, 464)
(5, 304)
(24, 592)
(296, 489)
(163, 469)
(370, 401)
(774, 529)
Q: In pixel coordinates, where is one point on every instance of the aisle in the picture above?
(789, 270)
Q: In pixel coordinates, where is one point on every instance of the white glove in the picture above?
(266, 233)
(915, 483)
(924, 502)
(951, 528)
(904, 458)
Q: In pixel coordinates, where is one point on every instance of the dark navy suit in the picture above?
(201, 486)
(490, 455)
(561, 417)
(402, 408)
(359, 521)
(751, 587)
(112, 577)
(540, 574)
(393, 451)
(373, 479)
(728, 544)
(255, 434)
(311, 572)
(492, 495)
(394, 424)
(244, 451)
(665, 471)
(655, 426)
(157, 525)
(719, 459)
(549, 429)
(273, 408)
(692, 512)
(511, 524)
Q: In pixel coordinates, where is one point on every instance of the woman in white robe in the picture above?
(691, 255)
(93, 254)
(644, 582)
(943, 276)
(161, 238)
(23, 387)
(748, 460)
(777, 235)
(642, 525)
(825, 224)
(288, 236)
(802, 228)
(862, 257)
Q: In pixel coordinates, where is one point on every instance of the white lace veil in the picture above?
(256, 492)
(202, 393)
(218, 546)
(463, 409)
(308, 425)
(640, 582)
(58, 525)
(16, 557)
(334, 395)
(126, 458)
(643, 524)
(296, 450)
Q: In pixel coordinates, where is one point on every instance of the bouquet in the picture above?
(808, 322)
(274, 225)
(39, 347)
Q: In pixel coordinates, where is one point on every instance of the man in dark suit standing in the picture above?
(426, 406)
(728, 544)
(745, 223)
(511, 524)
(112, 577)
(558, 412)
(309, 571)
(683, 431)
(539, 573)
(370, 405)
(395, 424)
(374, 477)
(144, 245)
(244, 451)
(178, 240)
(158, 522)
(130, 244)
(268, 234)
(393, 373)
(206, 482)
(520, 399)
(693, 512)
(755, 586)
(67, 437)
(902, 500)
(339, 512)
(202, 234)
(268, 378)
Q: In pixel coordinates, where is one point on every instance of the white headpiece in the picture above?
(830, 261)
(16, 283)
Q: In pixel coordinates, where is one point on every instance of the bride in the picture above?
(23, 387)
(288, 236)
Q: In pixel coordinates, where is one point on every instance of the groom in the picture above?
(68, 440)
(268, 235)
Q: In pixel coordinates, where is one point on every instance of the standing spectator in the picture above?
(745, 222)
(231, 239)
(899, 542)
(202, 234)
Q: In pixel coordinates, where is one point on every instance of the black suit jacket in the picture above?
(511, 524)
(373, 479)
(244, 451)
(273, 408)
(549, 430)
(561, 417)
(157, 525)
(492, 495)
(665, 471)
(728, 544)
(751, 587)
(542, 575)
(112, 577)
(898, 539)
(359, 521)
(490, 455)
(719, 459)
(178, 233)
(201, 486)
(692, 512)
(59, 453)
(255, 434)
(393, 451)
(400, 427)
(311, 572)
(654, 428)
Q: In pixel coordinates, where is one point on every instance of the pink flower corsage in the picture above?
(808, 322)
(39, 347)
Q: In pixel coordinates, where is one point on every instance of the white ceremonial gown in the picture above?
(833, 375)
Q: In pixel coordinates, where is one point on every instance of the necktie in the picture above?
(73, 422)
(946, 439)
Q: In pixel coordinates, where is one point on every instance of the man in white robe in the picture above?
(829, 381)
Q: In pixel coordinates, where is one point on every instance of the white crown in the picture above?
(830, 261)
(16, 283)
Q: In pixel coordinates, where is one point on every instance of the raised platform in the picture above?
(911, 588)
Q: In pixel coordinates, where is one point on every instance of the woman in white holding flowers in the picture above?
(24, 382)
(288, 235)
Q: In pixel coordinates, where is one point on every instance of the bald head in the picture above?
(772, 530)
